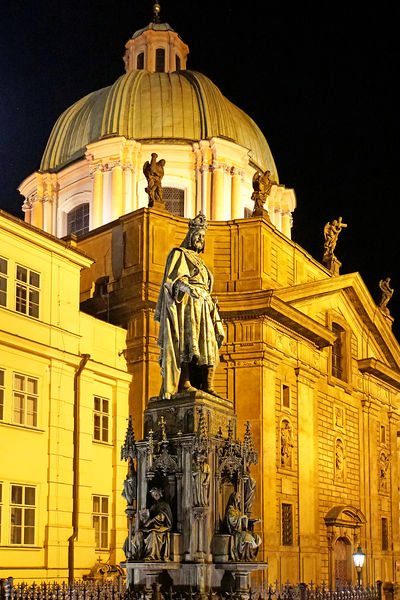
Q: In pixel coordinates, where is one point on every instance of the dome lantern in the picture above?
(156, 48)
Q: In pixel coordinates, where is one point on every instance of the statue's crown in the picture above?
(199, 222)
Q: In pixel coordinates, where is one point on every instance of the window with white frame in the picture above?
(25, 400)
(27, 291)
(100, 521)
(3, 281)
(2, 391)
(101, 419)
(22, 515)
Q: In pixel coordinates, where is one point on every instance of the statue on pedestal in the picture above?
(152, 540)
(262, 185)
(191, 331)
(331, 234)
(387, 293)
(154, 172)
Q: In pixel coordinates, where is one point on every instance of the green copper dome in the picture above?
(183, 106)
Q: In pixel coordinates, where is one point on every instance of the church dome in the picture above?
(172, 107)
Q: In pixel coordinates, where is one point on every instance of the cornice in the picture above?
(268, 304)
(379, 370)
(358, 294)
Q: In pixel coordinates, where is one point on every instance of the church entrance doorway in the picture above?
(342, 562)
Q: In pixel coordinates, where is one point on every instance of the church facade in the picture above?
(308, 357)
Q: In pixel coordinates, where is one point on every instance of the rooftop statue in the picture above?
(387, 293)
(191, 331)
(331, 234)
(154, 172)
(262, 184)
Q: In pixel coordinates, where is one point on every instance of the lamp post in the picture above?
(359, 558)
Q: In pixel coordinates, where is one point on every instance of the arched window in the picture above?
(140, 61)
(338, 352)
(78, 220)
(177, 63)
(174, 199)
(160, 60)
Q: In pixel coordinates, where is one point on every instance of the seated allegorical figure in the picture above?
(244, 543)
(152, 540)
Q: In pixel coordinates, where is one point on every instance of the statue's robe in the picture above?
(152, 541)
(243, 543)
(189, 327)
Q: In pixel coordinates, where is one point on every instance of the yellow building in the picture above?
(63, 399)
(308, 358)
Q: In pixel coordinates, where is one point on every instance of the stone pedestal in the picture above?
(191, 453)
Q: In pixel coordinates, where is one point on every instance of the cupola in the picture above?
(156, 48)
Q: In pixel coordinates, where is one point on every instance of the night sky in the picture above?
(319, 81)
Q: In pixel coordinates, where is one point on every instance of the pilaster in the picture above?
(307, 473)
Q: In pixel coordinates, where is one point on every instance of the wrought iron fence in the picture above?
(116, 590)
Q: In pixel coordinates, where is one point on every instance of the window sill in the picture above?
(100, 443)
(17, 312)
(24, 427)
(343, 383)
(21, 547)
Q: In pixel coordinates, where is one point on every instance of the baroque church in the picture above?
(308, 358)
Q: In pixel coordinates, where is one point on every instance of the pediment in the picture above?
(349, 296)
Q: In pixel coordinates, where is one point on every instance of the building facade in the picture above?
(63, 397)
(309, 358)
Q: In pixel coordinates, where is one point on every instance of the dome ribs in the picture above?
(191, 77)
(140, 105)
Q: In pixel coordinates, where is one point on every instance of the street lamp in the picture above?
(358, 558)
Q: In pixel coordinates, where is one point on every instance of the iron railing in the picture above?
(116, 590)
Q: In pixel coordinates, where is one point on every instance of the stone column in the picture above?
(97, 206)
(47, 215)
(37, 213)
(205, 194)
(128, 192)
(106, 194)
(218, 192)
(116, 191)
(287, 223)
(236, 200)
(307, 473)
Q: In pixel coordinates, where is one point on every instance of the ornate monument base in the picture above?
(192, 498)
(184, 576)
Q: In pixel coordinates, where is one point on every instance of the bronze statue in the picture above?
(154, 172)
(244, 543)
(152, 540)
(387, 293)
(262, 184)
(191, 331)
(129, 492)
(201, 481)
(331, 234)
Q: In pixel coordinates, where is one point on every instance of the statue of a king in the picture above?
(191, 331)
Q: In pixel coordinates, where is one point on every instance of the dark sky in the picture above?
(319, 81)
